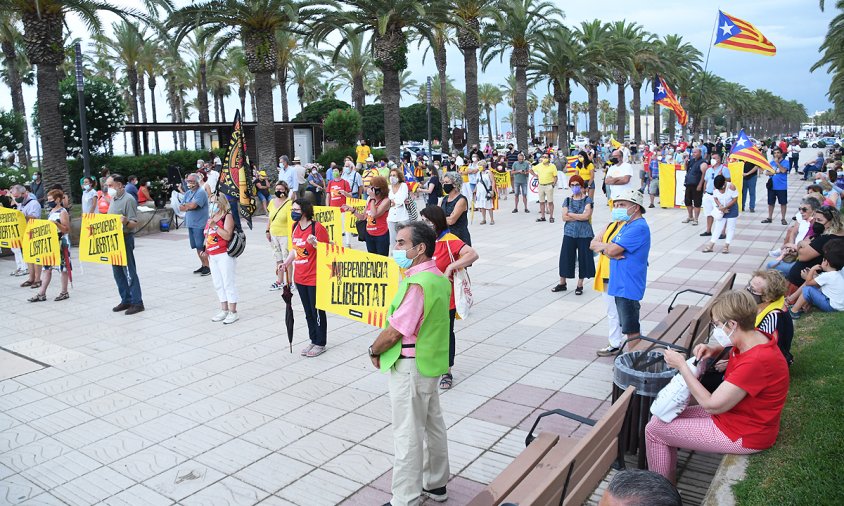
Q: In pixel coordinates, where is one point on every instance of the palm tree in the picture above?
(352, 63)
(254, 23)
(646, 63)
(219, 83)
(532, 106)
(518, 26)
(681, 65)
(832, 57)
(489, 95)
(406, 85)
(391, 23)
(441, 33)
(307, 76)
(626, 36)
(150, 64)
(240, 74)
(604, 108)
(16, 64)
(471, 13)
(126, 46)
(287, 47)
(597, 44)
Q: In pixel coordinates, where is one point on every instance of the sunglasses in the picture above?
(804, 209)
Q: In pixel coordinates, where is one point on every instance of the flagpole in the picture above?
(706, 62)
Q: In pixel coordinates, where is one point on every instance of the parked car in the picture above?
(829, 141)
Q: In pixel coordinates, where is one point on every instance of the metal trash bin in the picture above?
(648, 374)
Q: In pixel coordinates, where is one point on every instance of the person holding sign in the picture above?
(306, 234)
(126, 278)
(413, 349)
(31, 209)
(450, 254)
(377, 209)
(218, 232)
(58, 215)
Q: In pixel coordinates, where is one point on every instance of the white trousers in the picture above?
(223, 276)
(417, 418)
(718, 227)
(19, 259)
(615, 335)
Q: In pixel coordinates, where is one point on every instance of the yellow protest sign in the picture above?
(354, 284)
(502, 179)
(101, 239)
(12, 227)
(359, 205)
(737, 178)
(41, 243)
(332, 219)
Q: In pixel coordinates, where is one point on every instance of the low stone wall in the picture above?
(730, 472)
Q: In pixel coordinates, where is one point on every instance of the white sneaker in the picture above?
(220, 316)
(231, 318)
(774, 253)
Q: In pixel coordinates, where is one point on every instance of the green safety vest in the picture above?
(432, 340)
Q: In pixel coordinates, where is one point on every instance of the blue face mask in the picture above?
(213, 208)
(620, 214)
(295, 215)
(400, 256)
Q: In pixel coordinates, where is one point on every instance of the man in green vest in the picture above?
(413, 348)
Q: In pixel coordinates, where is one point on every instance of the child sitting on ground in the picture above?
(824, 286)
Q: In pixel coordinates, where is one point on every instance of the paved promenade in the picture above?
(167, 407)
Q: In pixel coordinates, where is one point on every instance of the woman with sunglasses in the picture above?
(799, 230)
(827, 227)
(577, 235)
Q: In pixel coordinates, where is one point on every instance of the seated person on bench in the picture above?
(742, 415)
(633, 487)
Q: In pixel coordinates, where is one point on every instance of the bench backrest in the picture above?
(574, 472)
(670, 330)
(698, 331)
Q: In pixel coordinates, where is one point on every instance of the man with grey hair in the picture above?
(639, 487)
(195, 207)
(126, 278)
(30, 207)
(287, 174)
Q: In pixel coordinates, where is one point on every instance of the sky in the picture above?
(796, 28)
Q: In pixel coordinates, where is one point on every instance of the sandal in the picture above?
(766, 220)
(784, 222)
(551, 220)
(578, 290)
(38, 298)
(559, 288)
(540, 219)
(446, 381)
(687, 220)
(492, 223)
(726, 250)
(708, 248)
(62, 296)
(29, 283)
(482, 223)
(694, 222)
(37, 284)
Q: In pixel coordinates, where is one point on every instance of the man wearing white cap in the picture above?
(628, 252)
(301, 176)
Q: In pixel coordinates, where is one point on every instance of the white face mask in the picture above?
(721, 337)
(112, 192)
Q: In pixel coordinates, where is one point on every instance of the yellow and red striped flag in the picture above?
(664, 96)
(738, 34)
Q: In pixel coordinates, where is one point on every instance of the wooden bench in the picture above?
(683, 328)
(559, 470)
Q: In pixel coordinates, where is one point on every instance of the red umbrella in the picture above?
(287, 297)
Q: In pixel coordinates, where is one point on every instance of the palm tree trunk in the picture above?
(657, 121)
(142, 97)
(281, 77)
(18, 105)
(264, 132)
(358, 93)
(252, 101)
(222, 109)
(54, 163)
(637, 111)
(488, 123)
(495, 110)
(132, 75)
(390, 98)
(472, 115)
(521, 108)
(672, 125)
(152, 85)
(621, 115)
(241, 93)
(441, 62)
(592, 93)
(216, 108)
(202, 94)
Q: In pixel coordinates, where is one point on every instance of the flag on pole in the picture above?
(571, 164)
(615, 144)
(744, 150)
(738, 34)
(234, 179)
(664, 96)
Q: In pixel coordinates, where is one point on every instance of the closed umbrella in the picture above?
(287, 297)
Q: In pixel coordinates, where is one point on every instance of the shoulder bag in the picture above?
(462, 286)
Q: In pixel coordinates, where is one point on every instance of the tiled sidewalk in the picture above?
(167, 407)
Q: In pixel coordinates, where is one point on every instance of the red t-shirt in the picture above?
(335, 198)
(682, 145)
(376, 226)
(214, 242)
(445, 243)
(762, 372)
(305, 260)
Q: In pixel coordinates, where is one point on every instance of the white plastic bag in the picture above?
(674, 397)
(463, 298)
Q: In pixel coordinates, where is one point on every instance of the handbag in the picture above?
(462, 287)
(412, 211)
(237, 244)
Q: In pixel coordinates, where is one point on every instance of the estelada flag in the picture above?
(234, 180)
(744, 150)
(571, 164)
(410, 177)
(664, 96)
(738, 34)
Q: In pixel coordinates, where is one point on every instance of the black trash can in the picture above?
(648, 373)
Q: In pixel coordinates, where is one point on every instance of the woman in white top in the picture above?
(59, 216)
(726, 198)
(484, 193)
(89, 196)
(398, 211)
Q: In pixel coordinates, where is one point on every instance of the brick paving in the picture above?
(166, 407)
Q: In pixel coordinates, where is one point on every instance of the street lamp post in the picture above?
(83, 120)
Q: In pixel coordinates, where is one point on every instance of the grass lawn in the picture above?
(805, 466)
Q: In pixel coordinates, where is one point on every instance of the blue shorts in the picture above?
(197, 238)
(815, 297)
(263, 197)
(628, 315)
(520, 189)
(777, 195)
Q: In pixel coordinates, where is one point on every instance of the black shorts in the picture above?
(694, 197)
(775, 196)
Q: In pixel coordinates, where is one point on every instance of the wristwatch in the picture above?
(371, 354)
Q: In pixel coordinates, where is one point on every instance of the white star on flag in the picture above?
(660, 90)
(742, 141)
(727, 28)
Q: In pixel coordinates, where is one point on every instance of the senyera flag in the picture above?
(738, 34)
(664, 96)
(234, 179)
(744, 150)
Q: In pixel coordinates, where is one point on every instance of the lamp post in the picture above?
(428, 112)
(83, 120)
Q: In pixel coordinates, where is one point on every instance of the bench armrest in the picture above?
(692, 290)
(588, 421)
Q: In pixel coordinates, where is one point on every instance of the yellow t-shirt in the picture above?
(586, 172)
(363, 153)
(280, 226)
(546, 172)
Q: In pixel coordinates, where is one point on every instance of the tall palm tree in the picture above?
(681, 64)
(604, 108)
(150, 64)
(307, 76)
(254, 23)
(441, 33)
(287, 47)
(240, 74)
(406, 85)
(471, 14)
(518, 26)
(594, 36)
(352, 63)
(125, 46)
(625, 35)
(532, 106)
(646, 62)
(832, 57)
(391, 23)
(219, 84)
(11, 42)
(489, 95)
